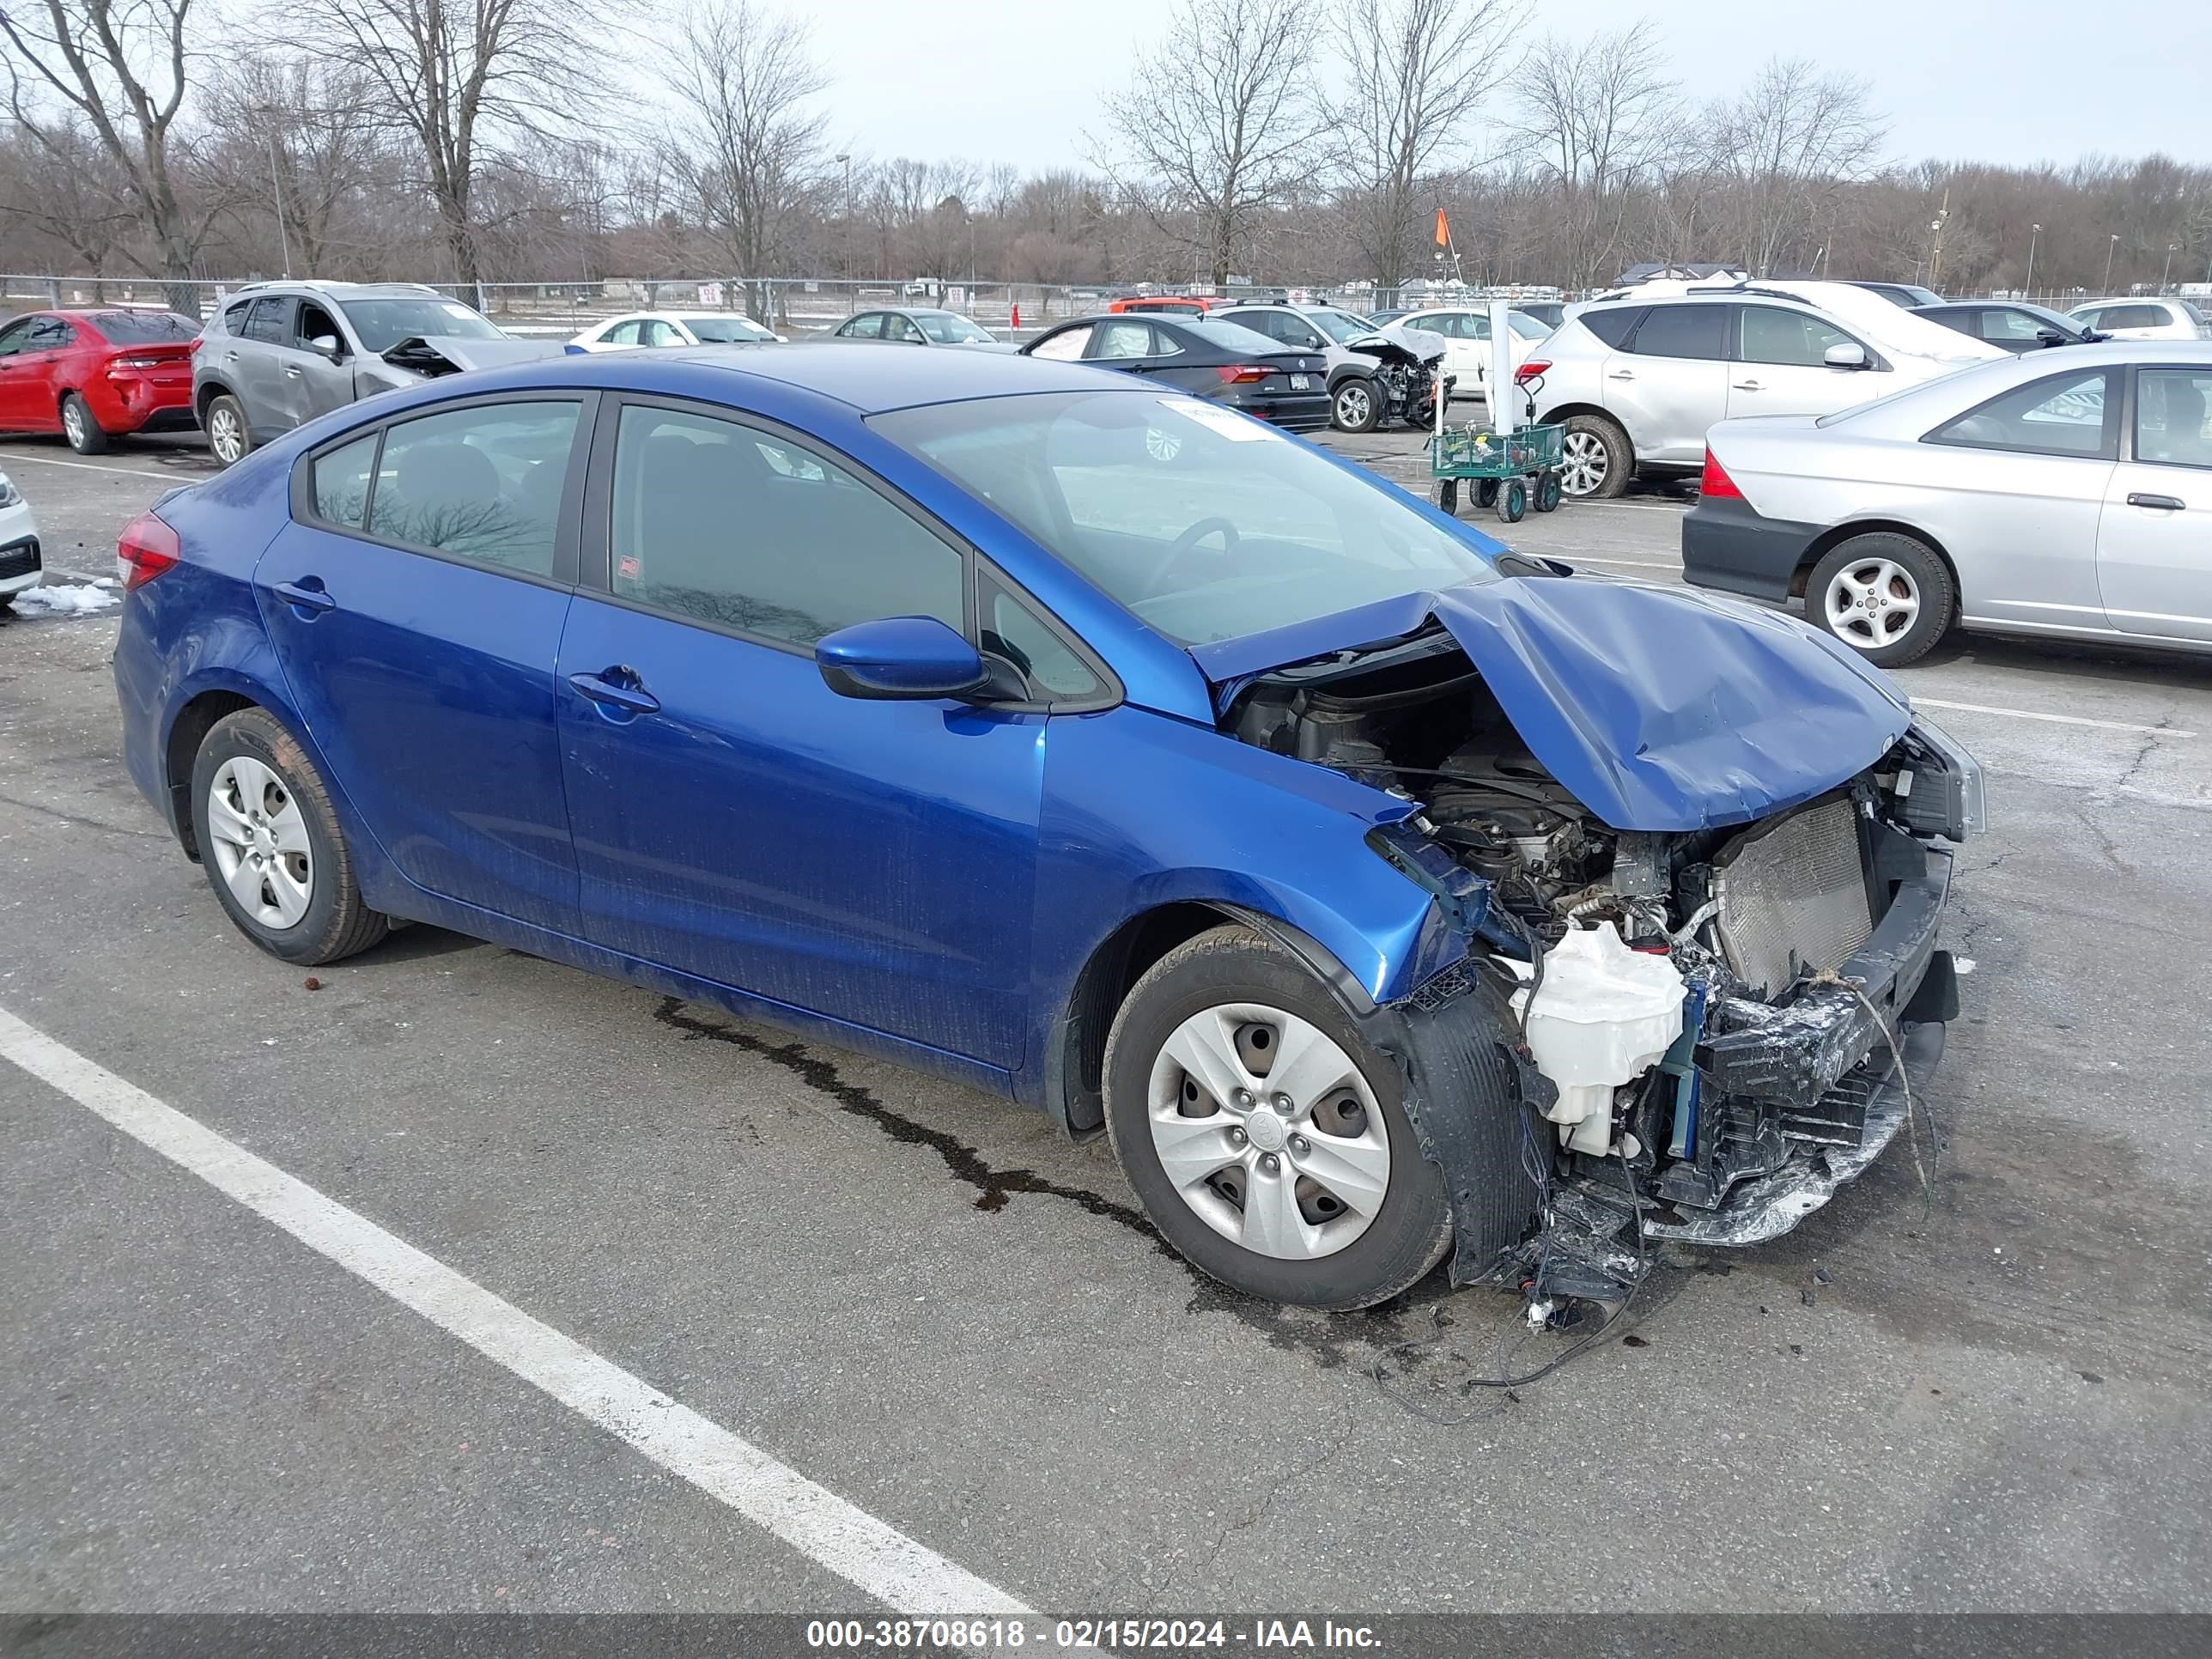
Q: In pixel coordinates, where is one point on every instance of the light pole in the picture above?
(2034, 231)
(845, 161)
(2114, 242)
(2172, 248)
(268, 112)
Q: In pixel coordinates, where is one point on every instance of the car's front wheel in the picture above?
(1354, 406)
(1885, 595)
(79, 428)
(228, 434)
(274, 852)
(1596, 461)
(1264, 1136)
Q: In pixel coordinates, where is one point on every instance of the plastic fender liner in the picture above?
(1470, 1088)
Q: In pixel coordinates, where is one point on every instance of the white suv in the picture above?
(1638, 383)
(2144, 320)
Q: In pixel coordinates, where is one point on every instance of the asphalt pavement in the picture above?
(1983, 1390)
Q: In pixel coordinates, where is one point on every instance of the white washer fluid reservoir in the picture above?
(1604, 1015)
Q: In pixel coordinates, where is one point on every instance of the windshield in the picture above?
(383, 324)
(1205, 524)
(1339, 326)
(721, 331)
(145, 327)
(2195, 315)
(948, 328)
(1528, 328)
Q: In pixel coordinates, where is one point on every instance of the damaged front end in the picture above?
(1695, 1031)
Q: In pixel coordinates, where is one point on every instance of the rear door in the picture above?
(1671, 384)
(736, 819)
(2022, 490)
(1780, 365)
(274, 399)
(415, 601)
(2154, 541)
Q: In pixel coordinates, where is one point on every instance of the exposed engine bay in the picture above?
(1717, 1028)
(1408, 371)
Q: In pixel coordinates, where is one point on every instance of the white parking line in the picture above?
(9, 457)
(813, 1520)
(1919, 701)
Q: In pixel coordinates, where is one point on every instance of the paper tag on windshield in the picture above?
(1238, 429)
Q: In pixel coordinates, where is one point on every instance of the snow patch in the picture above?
(66, 599)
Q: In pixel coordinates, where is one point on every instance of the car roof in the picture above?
(872, 378)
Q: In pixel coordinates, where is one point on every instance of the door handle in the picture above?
(290, 373)
(1617, 375)
(1746, 386)
(306, 594)
(631, 699)
(2165, 503)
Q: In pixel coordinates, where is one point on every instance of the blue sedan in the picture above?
(1386, 896)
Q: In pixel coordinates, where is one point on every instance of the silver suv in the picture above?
(277, 354)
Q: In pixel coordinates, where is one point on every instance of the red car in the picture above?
(92, 375)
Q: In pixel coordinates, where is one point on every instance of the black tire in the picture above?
(1547, 491)
(1894, 570)
(1448, 496)
(1486, 494)
(1410, 1230)
(1513, 501)
(230, 439)
(79, 429)
(1610, 476)
(337, 922)
(1355, 405)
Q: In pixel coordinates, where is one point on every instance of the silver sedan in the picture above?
(2065, 493)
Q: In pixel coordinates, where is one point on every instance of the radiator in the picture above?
(1792, 896)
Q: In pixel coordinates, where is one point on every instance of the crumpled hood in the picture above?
(1421, 345)
(418, 353)
(1660, 709)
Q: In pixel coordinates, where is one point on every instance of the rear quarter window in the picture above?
(1611, 324)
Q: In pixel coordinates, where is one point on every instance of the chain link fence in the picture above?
(793, 305)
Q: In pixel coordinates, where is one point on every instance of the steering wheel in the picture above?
(1189, 540)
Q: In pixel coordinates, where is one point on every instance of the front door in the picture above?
(320, 385)
(1781, 366)
(23, 403)
(736, 819)
(415, 602)
(2155, 541)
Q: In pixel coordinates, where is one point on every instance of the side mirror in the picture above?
(2049, 337)
(1850, 353)
(899, 659)
(330, 345)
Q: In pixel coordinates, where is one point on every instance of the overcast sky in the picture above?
(2008, 81)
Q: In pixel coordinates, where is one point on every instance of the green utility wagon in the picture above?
(1510, 471)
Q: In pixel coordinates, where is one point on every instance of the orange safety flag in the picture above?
(1443, 230)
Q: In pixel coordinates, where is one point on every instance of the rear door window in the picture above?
(2174, 417)
(270, 321)
(1697, 332)
(1119, 340)
(2075, 414)
(482, 485)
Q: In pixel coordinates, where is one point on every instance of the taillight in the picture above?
(1530, 370)
(1243, 373)
(146, 548)
(1716, 485)
(138, 363)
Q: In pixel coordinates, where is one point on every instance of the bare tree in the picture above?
(464, 79)
(119, 70)
(747, 145)
(1793, 140)
(1592, 116)
(64, 187)
(1416, 70)
(1219, 123)
(297, 141)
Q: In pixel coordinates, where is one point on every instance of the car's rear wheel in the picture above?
(275, 854)
(229, 436)
(1353, 406)
(1596, 460)
(79, 428)
(1264, 1136)
(1886, 595)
